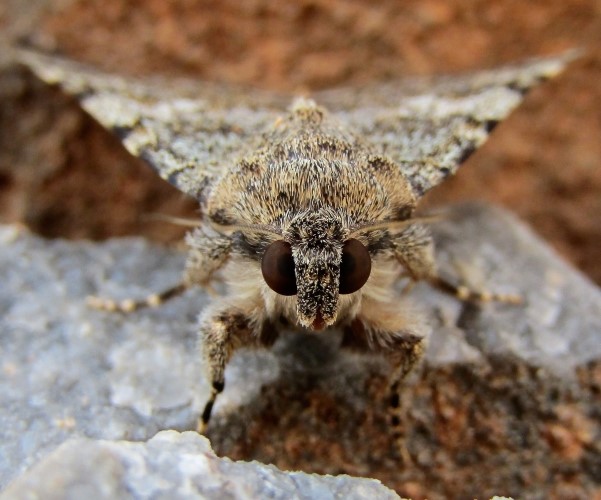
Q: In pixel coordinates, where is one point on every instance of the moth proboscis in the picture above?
(308, 203)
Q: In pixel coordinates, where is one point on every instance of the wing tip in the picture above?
(42, 64)
(549, 67)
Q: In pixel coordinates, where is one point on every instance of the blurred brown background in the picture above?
(62, 175)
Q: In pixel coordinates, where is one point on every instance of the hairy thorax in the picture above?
(307, 160)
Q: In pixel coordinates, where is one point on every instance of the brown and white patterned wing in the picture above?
(189, 132)
(429, 126)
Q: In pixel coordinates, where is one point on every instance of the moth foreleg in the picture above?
(208, 253)
(221, 333)
(414, 249)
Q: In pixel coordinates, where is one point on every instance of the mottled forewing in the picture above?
(429, 126)
(188, 131)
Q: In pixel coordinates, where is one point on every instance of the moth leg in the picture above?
(468, 295)
(403, 350)
(131, 305)
(207, 254)
(221, 333)
(414, 248)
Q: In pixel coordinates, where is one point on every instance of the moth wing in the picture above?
(188, 131)
(430, 126)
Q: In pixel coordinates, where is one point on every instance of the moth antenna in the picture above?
(396, 224)
(178, 221)
(247, 228)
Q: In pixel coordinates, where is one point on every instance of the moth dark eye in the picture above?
(278, 268)
(355, 266)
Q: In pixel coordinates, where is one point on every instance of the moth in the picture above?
(307, 203)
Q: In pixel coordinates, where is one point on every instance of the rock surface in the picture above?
(178, 466)
(508, 401)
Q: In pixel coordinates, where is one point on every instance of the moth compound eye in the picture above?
(355, 267)
(277, 267)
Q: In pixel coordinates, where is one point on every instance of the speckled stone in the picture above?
(69, 372)
(178, 466)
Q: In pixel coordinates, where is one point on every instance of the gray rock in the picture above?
(72, 372)
(175, 466)
(559, 326)
(69, 370)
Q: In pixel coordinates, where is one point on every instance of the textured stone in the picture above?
(507, 401)
(178, 466)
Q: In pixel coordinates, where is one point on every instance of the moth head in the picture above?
(316, 261)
